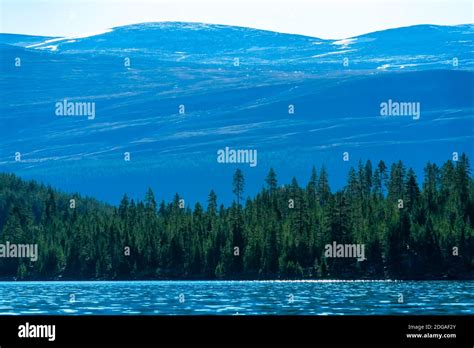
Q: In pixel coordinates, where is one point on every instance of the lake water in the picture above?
(237, 297)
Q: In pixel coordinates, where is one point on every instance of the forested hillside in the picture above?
(280, 233)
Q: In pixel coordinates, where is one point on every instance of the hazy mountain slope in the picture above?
(236, 85)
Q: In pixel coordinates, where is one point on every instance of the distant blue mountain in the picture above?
(236, 85)
(23, 40)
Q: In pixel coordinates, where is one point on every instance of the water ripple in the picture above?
(237, 298)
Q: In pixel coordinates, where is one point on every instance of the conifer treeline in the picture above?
(281, 233)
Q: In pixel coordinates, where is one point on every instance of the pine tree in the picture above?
(324, 191)
(238, 185)
(271, 181)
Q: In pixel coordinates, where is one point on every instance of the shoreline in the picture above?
(3, 280)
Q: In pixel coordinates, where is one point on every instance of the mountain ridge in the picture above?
(233, 97)
(203, 25)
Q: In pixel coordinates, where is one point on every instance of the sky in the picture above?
(327, 19)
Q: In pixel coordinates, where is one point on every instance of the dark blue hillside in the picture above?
(244, 106)
(23, 40)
